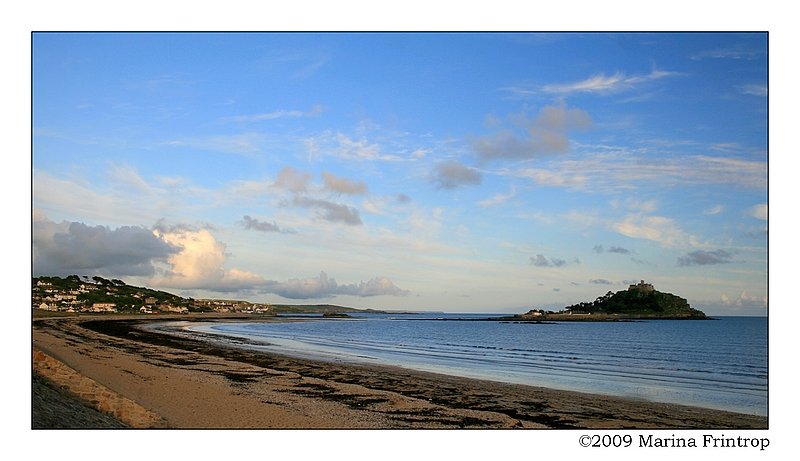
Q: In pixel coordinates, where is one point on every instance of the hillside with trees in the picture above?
(639, 301)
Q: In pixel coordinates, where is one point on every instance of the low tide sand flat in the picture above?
(189, 383)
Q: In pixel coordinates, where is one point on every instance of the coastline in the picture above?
(197, 384)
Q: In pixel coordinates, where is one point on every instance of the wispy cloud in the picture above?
(655, 228)
(728, 53)
(242, 144)
(345, 147)
(598, 84)
(714, 210)
(274, 115)
(498, 198)
(753, 90)
(627, 171)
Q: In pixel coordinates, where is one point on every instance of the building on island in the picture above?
(642, 287)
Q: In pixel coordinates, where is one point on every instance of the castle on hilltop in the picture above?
(642, 287)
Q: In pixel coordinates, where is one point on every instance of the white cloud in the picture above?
(277, 114)
(714, 210)
(200, 264)
(759, 211)
(626, 172)
(242, 144)
(128, 176)
(547, 178)
(498, 198)
(655, 228)
(601, 83)
(753, 90)
(105, 202)
(743, 300)
(361, 149)
(728, 53)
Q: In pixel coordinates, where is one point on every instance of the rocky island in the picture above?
(640, 301)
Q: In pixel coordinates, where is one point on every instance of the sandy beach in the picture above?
(152, 380)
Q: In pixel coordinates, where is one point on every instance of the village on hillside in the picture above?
(76, 294)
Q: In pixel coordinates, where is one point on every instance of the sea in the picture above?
(719, 363)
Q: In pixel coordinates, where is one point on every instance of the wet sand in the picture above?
(190, 383)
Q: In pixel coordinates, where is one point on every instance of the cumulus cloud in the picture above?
(200, 264)
(326, 287)
(330, 211)
(254, 224)
(68, 248)
(452, 174)
(705, 258)
(542, 261)
(343, 185)
(544, 135)
(743, 300)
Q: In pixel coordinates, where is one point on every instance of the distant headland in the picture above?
(74, 295)
(95, 295)
(640, 301)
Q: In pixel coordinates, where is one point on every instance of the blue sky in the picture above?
(446, 171)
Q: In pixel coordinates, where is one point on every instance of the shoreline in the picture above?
(196, 384)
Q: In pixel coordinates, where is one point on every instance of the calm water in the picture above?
(715, 364)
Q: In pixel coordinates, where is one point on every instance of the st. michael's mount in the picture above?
(640, 301)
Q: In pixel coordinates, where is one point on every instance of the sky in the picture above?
(459, 172)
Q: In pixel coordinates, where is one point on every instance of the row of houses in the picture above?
(222, 305)
(77, 307)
